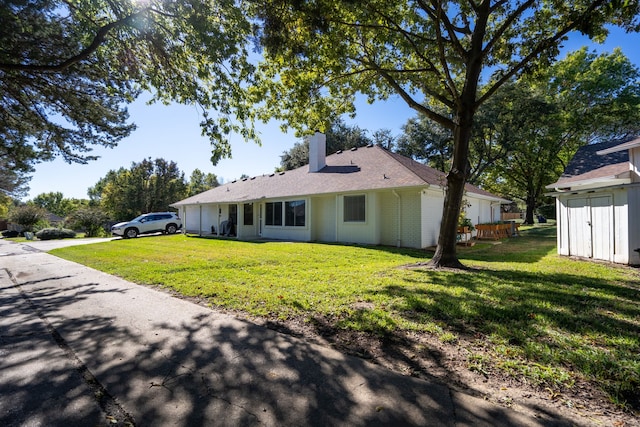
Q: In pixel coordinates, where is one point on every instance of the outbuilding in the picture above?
(598, 203)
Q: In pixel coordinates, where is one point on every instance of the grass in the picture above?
(543, 319)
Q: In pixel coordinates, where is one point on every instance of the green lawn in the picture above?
(541, 318)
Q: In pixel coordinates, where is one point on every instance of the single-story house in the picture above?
(366, 195)
(598, 203)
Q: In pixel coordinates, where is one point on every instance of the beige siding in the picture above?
(367, 232)
(432, 204)
(633, 230)
(323, 219)
(247, 231)
(411, 219)
(388, 219)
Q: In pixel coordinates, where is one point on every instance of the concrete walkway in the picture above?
(80, 347)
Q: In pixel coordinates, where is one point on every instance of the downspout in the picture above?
(399, 222)
(200, 223)
(184, 219)
(337, 213)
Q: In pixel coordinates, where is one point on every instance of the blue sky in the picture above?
(173, 133)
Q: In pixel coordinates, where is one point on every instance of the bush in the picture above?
(90, 220)
(10, 233)
(27, 216)
(55, 233)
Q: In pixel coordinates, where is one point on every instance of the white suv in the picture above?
(166, 222)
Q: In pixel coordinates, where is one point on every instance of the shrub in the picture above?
(55, 233)
(90, 220)
(10, 233)
(27, 216)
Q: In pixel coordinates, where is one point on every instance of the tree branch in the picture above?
(98, 40)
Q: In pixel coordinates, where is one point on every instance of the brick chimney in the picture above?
(317, 151)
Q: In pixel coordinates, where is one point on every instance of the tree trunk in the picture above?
(531, 207)
(465, 109)
(445, 255)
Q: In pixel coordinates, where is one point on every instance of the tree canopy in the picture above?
(148, 186)
(438, 56)
(68, 69)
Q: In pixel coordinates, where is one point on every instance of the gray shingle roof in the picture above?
(587, 164)
(362, 169)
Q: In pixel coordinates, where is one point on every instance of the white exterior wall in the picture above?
(411, 221)
(244, 231)
(431, 205)
(400, 218)
(198, 219)
(323, 214)
(388, 213)
(633, 196)
(367, 232)
(634, 164)
(597, 225)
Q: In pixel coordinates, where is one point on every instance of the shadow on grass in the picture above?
(587, 325)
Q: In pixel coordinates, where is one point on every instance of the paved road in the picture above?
(80, 347)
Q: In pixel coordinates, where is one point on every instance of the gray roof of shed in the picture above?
(362, 169)
(588, 164)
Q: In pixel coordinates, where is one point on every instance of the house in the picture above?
(598, 203)
(366, 195)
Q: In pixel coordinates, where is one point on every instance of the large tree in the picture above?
(68, 69)
(544, 119)
(199, 182)
(434, 54)
(148, 186)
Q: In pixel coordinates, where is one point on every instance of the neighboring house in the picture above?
(366, 195)
(598, 203)
(54, 220)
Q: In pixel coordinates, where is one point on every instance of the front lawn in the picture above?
(520, 311)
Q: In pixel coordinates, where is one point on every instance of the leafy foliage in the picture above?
(27, 216)
(148, 186)
(55, 233)
(56, 203)
(432, 54)
(90, 219)
(199, 182)
(68, 69)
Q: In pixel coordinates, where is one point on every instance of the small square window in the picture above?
(354, 208)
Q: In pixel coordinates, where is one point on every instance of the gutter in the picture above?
(592, 190)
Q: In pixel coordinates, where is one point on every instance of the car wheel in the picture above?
(171, 229)
(131, 233)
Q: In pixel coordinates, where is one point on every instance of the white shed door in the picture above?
(591, 227)
(579, 228)
(602, 228)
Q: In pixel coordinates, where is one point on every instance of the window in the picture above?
(354, 208)
(273, 213)
(294, 213)
(248, 214)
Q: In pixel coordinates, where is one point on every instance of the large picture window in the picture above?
(294, 213)
(273, 213)
(354, 208)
